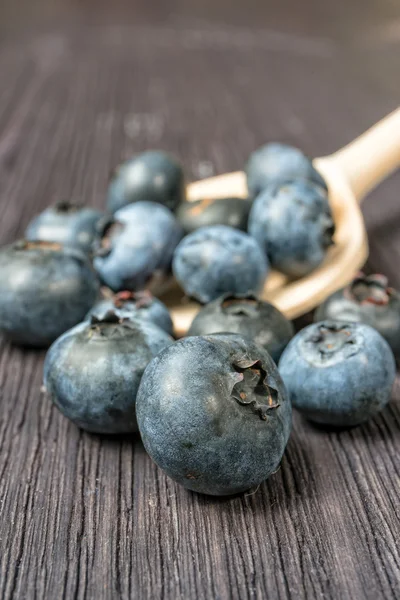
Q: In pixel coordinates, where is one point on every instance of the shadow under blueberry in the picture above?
(374, 429)
(383, 425)
(287, 485)
(112, 439)
(327, 428)
(22, 347)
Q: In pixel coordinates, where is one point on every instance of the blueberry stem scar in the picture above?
(332, 338)
(252, 390)
(371, 289)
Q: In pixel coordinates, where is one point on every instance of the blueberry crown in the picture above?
(141, 299)
(246, 305)
(253, 391)
(330, 340)
(369, 289)
(111, 325)
(107, 228)
(65, 206)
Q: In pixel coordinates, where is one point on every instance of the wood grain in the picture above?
(84, 85)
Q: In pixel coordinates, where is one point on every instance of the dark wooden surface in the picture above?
(84, 84)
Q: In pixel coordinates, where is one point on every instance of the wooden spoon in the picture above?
(350, 174)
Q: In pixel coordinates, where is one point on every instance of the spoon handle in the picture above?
(370, 158)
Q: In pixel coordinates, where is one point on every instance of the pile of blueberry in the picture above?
(213, 409)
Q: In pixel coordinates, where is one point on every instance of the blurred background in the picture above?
(86, 83)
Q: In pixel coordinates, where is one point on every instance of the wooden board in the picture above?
(84, 85)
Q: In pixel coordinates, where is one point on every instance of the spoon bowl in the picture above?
(350, 174)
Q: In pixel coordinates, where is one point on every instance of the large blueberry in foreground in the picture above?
(66, 223)
(245, 314)
(153, 176)
(214, 414)
(140, 305)
(368, 299)
(215, 260)
(292, 222)
(137, 246)
(92, 372)
(45, 290)
(233, 212)
(338, 373)
(279, 161)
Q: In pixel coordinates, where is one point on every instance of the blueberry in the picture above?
(137, 246)
(65, 223)
(46, 289)
(278, 161)
(140, 305)
(92, 372)
(214, 260)
(233, 212)
(214, 414)
(153, 176)
(368, 299)
(338, 373)
(292, 221)
(248, 316)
